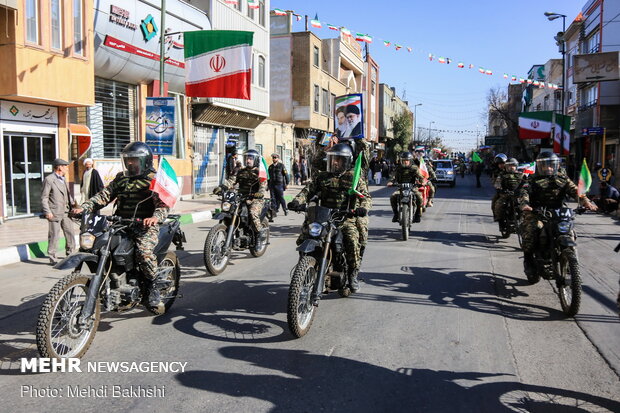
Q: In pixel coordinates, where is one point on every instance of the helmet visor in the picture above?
(337, 163)
(134, 164)
(547, 166)
(251, 160)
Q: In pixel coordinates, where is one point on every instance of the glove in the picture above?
(293, 205)
(361, 212)
(217, 190)
(258, 195)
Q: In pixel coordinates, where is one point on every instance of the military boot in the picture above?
(529, 265)
(354, 282)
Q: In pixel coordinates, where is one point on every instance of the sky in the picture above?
(506, 36)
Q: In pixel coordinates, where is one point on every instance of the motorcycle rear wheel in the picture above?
(259, 250)
(569, 285)
(215, 260)
(169, 294)
(301, 311)
(404, 221)
(58, 333)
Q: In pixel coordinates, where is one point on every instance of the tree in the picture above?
(504, 111)
(402, 125)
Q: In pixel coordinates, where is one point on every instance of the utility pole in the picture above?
(162, 47)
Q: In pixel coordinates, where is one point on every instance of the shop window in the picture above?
(32, 21)
(56, 24)
(114, 126)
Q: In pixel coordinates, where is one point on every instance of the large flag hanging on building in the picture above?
(218, 63)
(165, 184)
(562, 127)
(585, 179)
(535, 125)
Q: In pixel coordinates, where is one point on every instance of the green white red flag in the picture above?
(423, 168)
(585, 179)
(165, 184)
(562, 127)
(357, 173)
(315, 22)
(535, 125)
(262, 170)
(279, 12)
(253, 4)
(218, 63)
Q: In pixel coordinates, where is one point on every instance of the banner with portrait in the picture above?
(349, 116)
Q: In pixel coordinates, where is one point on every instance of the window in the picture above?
(546, 103)
(32, 21)
(261, 71)
(238, 5)
(316, 98)
(115, 126)
(590, 95)
(261, 13)
(259, 149)
(78, 33)
(316, 56)
(56, 24)
(250, 12)
(331, 102)
(372, 87)
(253, 69)
(325, 102)
(591, 44)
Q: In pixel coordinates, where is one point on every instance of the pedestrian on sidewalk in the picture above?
(607, 199)
(57, 201)
(278, 181)
(478, 167)
(91, 181)
(296, 171)
(303, 170)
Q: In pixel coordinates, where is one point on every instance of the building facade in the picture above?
(390, 106)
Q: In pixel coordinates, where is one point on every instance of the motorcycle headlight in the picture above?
(87, 240)
(315, 229)
(564, 227)
(226, 206)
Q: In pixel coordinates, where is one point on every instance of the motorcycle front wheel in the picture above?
(213, 254)
(569, 284)
(59, 334)
(301, 311)
(404, 221)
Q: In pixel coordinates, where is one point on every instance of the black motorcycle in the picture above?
(234, 232)
(510, 224)
(322, 266)
(70, 314)
(406, 208)
(556, 256)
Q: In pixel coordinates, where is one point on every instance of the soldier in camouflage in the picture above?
(134, 199)
(507, 184)
(406, 172)
(496, 169)
(332, 188)
(251, 186)
(546, 188)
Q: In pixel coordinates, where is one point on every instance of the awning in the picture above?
(81, 139)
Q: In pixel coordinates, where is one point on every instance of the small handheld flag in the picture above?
(585, 179)
(357, 172)
(165, 184)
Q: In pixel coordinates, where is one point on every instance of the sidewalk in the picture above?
(26, 238)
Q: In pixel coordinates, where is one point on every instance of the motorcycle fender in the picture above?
(74, 260)
(567, 241)
(221, 215)
(404, 200)
(308, 246)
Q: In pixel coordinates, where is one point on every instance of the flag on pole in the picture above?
(315, 22)
(279, 12)
(529, 168)
(262, 170)
(562, 127)
(165, 184)
(357, 172)
(332, 27)
(535, 125)
(585, 179)
(368, 38)
(423, 168)
(218, 63)
(476, 158)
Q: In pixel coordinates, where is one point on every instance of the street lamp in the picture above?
(429, 131)
(561, 41)
(415, 121)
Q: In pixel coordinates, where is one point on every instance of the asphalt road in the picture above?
(445, 322)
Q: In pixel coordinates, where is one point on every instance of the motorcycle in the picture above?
(322, 266)
(511, 222)
(556, 256)
(234, 232)
(406, 209)
(69, 317)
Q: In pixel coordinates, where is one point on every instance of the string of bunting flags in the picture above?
(366, 38)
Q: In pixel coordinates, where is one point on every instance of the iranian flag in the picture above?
(218, 63)
(353, 99)
(367, 38)
(262, 170)
(460, 65)
(345, 31)
(315, 22)
(442, 60)
(279, 12)
(253, 4)
(585, 179)
(360, 37)
(423, 168)
(562, 127)
(528, 168)
(386, 43)
(165, 184)
(535, 125)
(332, 27)
(409, 49)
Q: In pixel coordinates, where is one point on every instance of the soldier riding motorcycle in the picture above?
(407, 201)
(243, 220)
(507, 185)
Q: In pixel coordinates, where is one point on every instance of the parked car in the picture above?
(444, 169)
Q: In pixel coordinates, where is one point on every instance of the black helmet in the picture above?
(512, 162)
(406, 156)
(500, 158)
(254, 156)
(547, 163)
(137, 159)
(339, 158)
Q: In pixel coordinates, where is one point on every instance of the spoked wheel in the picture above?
(404, 221)
(213, 254)
(301, 310)
(59, 333)
(263, 239)
(170, 282)
(569, 284)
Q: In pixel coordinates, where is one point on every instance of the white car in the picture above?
(444, 170)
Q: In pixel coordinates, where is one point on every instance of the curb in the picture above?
(26, 252)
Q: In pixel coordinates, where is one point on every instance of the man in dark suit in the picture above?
(57, 201)
(278, 181)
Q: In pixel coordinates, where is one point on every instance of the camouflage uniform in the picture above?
(407, 174)
(333, 193)
(251, 186)
(431, 177)
(542, 191)
(506, 181)
(128, 192)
